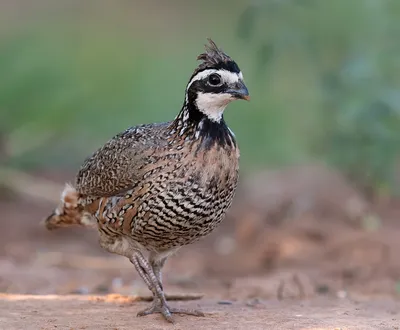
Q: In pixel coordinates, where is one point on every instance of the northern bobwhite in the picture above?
(157, 187)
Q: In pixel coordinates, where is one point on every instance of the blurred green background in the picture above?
(323, 76)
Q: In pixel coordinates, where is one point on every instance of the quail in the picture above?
(157, 187)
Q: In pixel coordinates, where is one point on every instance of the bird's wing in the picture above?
(117, 166)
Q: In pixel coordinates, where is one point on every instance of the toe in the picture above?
(193, 312)
(149, 310)
(167, 315)
(145, 312)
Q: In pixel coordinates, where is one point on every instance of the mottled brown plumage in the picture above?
(157, 187)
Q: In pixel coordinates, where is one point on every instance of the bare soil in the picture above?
(72, 312)
(279, 261)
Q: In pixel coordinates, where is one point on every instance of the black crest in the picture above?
(215, 58)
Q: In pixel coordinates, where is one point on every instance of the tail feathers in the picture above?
(70, 212)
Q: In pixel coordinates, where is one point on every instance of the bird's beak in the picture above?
(240, 91)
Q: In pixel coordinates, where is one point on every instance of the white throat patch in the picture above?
(213, 105)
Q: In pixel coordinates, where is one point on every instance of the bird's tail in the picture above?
(69, 212)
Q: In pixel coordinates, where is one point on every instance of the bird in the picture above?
(155, 188)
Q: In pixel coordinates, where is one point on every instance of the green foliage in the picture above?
(349, 52)
(322, 74)
(69, 87)
(58, 94)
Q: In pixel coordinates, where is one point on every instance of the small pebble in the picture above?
(225, 302)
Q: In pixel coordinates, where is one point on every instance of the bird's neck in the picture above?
(193, 124)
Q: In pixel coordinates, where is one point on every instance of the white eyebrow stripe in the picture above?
(201, 75)
(227, 76)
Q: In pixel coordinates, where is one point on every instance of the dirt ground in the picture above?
(292, 254)
(72, 312)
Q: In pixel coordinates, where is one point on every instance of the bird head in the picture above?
(215, 83)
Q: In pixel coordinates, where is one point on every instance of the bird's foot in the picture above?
(153, 308)
(193, 312)
(166, 311)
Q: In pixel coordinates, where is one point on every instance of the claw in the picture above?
(164, 310)
(167, 312)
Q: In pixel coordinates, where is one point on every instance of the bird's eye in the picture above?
(214, 79)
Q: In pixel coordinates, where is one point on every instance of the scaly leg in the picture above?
(159, 304)
(157, 265)
(146, 272)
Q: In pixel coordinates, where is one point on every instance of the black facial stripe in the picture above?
(204, 87)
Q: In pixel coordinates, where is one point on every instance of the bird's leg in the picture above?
(159, 305)
(147, 273)
(156, 266)
(151, 275)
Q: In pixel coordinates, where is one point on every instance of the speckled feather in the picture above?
(160, 184)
